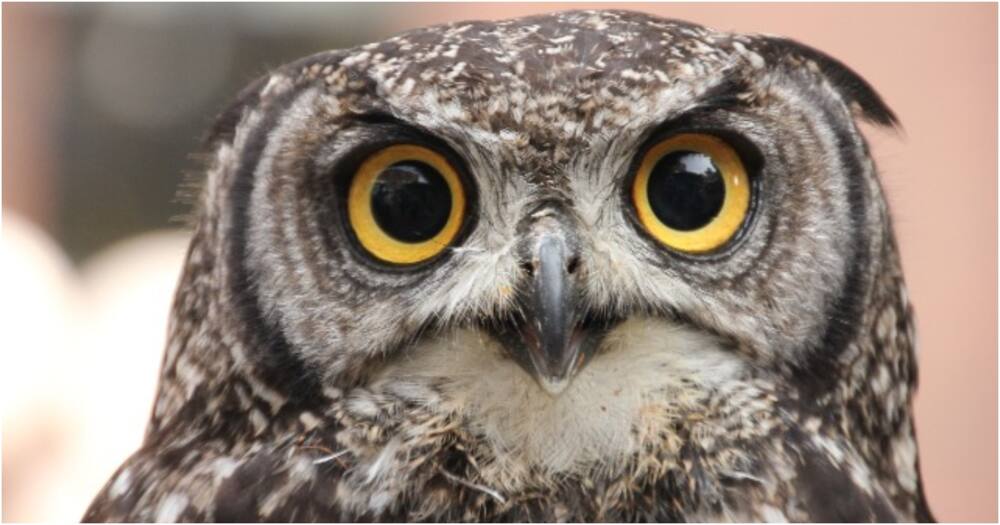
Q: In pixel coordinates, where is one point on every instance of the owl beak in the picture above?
(551, 338)
(553, 334)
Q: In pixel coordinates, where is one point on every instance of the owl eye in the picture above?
(691, 192)
(405, 204)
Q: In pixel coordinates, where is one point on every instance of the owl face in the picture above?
(579, 267)
(544, 188)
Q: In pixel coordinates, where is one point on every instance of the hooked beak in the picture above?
(550, 335)
(554, 337)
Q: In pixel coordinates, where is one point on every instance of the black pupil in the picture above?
(411, 201)
(686, 190)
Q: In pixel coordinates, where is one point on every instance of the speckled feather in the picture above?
(772, 381)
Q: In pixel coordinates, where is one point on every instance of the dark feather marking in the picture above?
(276, 363)
(844, 314)
(831, 496)
(238, 497)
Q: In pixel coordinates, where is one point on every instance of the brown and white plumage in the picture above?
(770, 380)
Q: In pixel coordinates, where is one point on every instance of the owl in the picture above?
(586, 266)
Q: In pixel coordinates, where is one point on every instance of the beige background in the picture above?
(936, 65)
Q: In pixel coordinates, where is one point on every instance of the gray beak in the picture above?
(552, 336)
(552, 313)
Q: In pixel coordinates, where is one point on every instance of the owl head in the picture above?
(586, 266)
(537, 183)
(543, 222)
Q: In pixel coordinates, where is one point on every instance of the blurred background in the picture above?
(105, 104)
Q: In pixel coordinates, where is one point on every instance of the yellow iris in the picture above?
(361, 214)
(717, 229)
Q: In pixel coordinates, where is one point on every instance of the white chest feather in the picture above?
(648, 372)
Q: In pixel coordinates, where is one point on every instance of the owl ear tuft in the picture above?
(857, 93)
